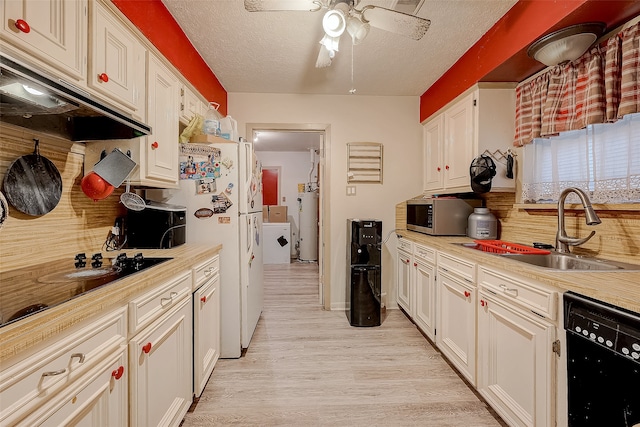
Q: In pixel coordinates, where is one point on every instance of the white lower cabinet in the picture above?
(403, 280)
(98, 399)
(424, 282)
(160, 357)
(70, 380)
(456, 314)
(516, 362)
(206, 322)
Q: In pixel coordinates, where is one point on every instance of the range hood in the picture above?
(29, 98)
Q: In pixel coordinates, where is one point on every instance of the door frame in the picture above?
(324, 278)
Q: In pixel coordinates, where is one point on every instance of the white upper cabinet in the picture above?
(116, 60)
(480, 119)
(54, 32)
(161, 148)
(190, 104)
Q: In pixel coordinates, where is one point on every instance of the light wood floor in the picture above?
(309, 367)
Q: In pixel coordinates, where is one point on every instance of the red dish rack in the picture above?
(502, 247)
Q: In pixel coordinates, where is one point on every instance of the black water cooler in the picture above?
(363, 272)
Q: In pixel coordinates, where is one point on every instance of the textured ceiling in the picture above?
(275, 52)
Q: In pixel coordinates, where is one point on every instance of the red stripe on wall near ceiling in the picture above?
(501, 54)
(154, 21)
(520, 26)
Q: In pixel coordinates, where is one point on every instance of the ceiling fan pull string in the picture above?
(352, 91)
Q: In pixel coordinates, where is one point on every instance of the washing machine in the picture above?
(277, 242)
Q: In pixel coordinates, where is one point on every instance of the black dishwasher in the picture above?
(603, 363)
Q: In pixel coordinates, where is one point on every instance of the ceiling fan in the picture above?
(341, 16)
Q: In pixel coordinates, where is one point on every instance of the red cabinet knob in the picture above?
(408, 261)
(117, 374)
(154, 145)
(438, 168)
(483, 303)
(103, 77)
(22, 25)
(467, 294)
(146, 348)
(415, 264)
(203, 299)
(447, 167)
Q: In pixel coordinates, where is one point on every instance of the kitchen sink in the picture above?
(560, 261)
(564, 261)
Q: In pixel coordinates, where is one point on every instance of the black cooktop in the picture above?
(30, 290)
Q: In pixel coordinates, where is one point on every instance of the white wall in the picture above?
(294, 170)
(393, 121)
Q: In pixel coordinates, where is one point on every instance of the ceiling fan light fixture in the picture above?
(357, 29)
(330, 43)
(334, 22)
(565, 45)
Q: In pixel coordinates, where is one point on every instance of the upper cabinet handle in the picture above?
(103, 77)
(22, 25)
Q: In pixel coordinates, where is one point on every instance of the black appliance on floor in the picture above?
(363, 272)
(603, 363)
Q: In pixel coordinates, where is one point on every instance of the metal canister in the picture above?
(482, 225)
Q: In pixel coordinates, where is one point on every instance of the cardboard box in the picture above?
(265, 214)
(277, 214)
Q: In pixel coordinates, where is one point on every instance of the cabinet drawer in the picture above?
(405, 245)
(205, 271)
(423, 253)
(32, 381)
(527, 294)
(458, 266)
(148, 307)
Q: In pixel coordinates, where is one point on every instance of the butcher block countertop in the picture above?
(620, 288)
(29, 334)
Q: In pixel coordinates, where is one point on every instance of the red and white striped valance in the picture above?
(602, 85)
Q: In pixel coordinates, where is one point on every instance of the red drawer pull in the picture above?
(415, 264)
(154, 145)
(467, 294)
(146, 348)
(203, 299)
(438, 168)
(103, 77)
(22, 25)
(483, 303)
(117, 374)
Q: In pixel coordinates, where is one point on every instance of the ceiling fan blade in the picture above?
(396, 22)
(282, 5)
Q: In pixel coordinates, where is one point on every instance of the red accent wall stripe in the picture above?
(522, 24)
(154, 21)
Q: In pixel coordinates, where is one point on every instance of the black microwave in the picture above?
(442, 216)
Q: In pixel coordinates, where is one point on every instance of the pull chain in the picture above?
(352, 91)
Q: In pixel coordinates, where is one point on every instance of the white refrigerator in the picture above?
(221, 187)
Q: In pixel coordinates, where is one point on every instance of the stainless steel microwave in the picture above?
(442, 216)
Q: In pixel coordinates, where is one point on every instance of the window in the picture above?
(602, 159)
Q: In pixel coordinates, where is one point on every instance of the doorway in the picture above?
(282, 138)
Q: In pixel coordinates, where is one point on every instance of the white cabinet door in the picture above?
(458, 143)
(161, 149)
(206, 333)
(425, 286)
(98, 399)
(160, 361)
(433, 135)
(515, 363)
(116, 60)
(404, 282)
(52, 31)
(456, 332)
(190, 104)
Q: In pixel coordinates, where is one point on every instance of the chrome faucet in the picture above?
(562, 240)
